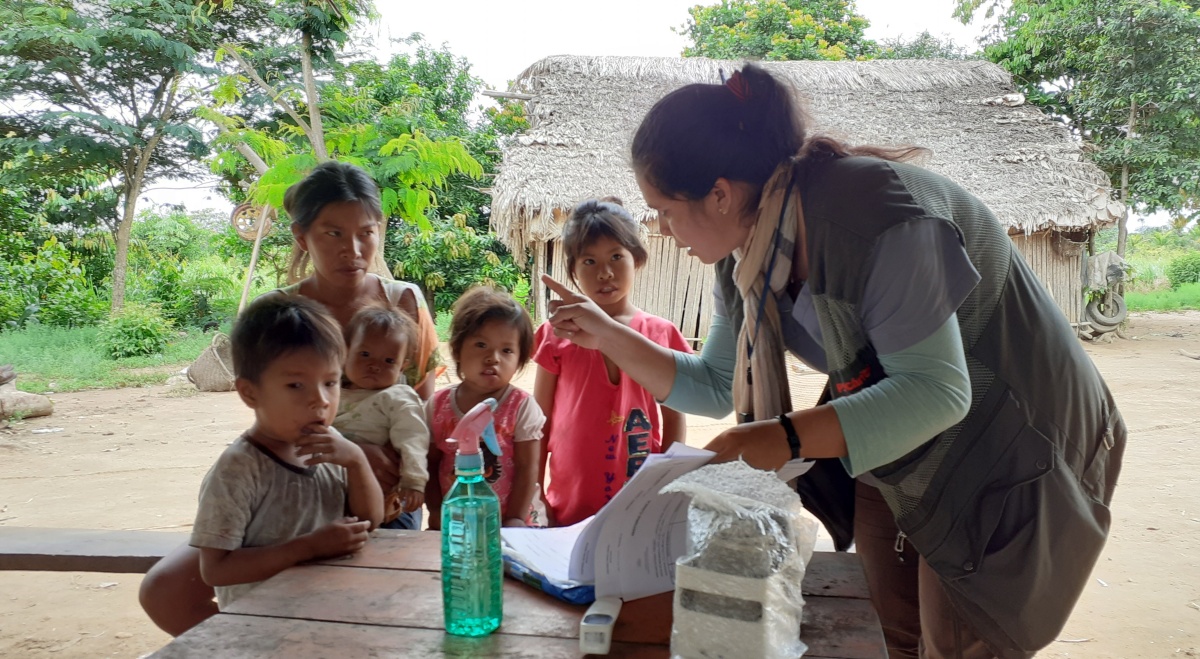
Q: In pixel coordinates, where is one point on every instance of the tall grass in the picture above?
(1186, 296)
(61, 360)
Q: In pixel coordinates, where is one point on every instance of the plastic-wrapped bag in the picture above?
(737, 589)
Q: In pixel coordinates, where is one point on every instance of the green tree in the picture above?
(777, 30)
(359, 117)
(431, 90)
(168, 231)
(109, 87)
(451, 258)
(1123, 75)
(923, 46)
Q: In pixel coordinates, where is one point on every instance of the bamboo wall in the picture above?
(1059, 264)
(679, 288)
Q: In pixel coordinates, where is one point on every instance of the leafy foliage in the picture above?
(135, 331)
(177, 266)
(405, 135)
(47, 286)
(436, 89)
(777, 30)
(923, 46)
(108, 91)
(171, 232)
(1123, 75)
(40, 193)
(449, 259)
(1184, 270)
(274, 254)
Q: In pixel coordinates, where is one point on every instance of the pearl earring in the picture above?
(724, 211)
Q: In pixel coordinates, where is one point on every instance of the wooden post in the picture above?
(258, 236)
(538, 288)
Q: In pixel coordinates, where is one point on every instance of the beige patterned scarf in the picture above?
(760, 386)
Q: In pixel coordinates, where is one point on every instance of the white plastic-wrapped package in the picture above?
(737, 589)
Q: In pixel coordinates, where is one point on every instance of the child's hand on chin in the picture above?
(345, 536)
(325, 444)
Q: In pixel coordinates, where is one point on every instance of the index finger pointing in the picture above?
(562, 291)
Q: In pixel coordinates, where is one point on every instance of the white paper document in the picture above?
(546, 550)
(629, 548)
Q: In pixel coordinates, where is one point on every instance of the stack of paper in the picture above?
(629, 548)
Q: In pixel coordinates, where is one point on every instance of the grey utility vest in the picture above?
(1010, 506)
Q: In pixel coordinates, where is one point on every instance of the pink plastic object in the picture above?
(475, 424)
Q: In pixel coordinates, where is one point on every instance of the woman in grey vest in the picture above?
(982, 443)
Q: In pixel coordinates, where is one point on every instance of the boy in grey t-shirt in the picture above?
(291, 489)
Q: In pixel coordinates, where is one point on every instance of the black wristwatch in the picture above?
(792, 437)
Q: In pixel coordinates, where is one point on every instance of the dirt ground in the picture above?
(133, 459)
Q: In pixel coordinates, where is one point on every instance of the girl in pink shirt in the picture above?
(491, 339)
(600, 424)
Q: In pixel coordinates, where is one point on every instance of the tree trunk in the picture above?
(314, 102)
(121, 259)
(132, 188)
(1123, 223)
(429, 295)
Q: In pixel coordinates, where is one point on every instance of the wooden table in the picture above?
(387, 601)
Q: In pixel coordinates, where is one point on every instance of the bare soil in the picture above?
(134, 458)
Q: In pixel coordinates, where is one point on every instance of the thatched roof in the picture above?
(584, 111)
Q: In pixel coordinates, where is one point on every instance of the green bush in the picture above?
(136, 331)
(449, 259)
(216, 286)
(48, 286)
(1184, 270)
(190, 293)
(173, 232)
(76, 307)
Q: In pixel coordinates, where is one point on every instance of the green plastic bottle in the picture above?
(472, 563)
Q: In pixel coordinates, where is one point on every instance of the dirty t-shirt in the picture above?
(251, 498)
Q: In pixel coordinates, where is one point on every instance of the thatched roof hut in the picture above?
(1020, 162)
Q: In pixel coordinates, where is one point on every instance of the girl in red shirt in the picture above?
(600, 424)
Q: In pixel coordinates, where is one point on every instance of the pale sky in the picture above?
(500, 39)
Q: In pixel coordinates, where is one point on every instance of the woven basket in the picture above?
(213, 369)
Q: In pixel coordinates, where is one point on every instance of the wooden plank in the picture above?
(837, 627)
(393, 549)
(237, 636)
(84, 550)
(835, 574)
(829, 574)
(833, 626)
(538, 288)
(402, 598)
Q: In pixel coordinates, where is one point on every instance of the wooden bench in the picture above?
(84, 550)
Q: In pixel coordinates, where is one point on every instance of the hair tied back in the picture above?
(737, 84)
